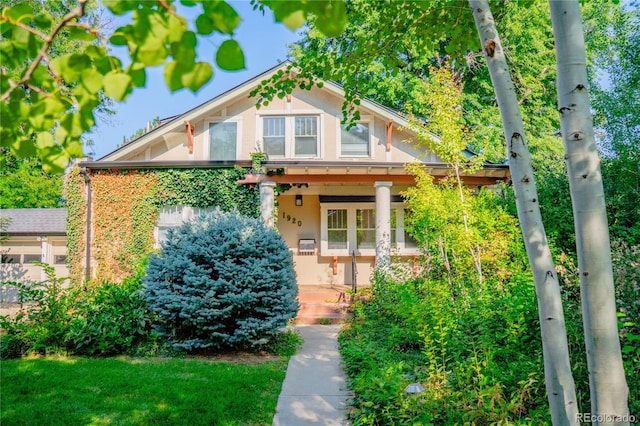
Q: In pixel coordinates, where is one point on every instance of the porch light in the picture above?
(414, 388)
(299, 200)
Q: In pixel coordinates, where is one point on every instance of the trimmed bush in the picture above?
(222, 281)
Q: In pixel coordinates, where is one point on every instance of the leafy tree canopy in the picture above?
(54, 97)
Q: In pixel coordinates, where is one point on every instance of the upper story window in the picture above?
(223, 140)
(291, 136)
(355, 142)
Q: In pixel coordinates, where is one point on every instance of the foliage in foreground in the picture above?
(99, 320)
(139, 391)
(480, 359)
(223, 281)
(478, 354)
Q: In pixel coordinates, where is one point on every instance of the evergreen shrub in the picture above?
(222, 280)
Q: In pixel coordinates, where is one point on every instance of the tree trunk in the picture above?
(558, 379)
(607, 384)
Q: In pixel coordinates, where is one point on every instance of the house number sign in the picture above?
(291, 219)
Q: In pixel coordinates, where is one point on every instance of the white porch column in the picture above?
(383, 224)
(267, 202)
(45, 255)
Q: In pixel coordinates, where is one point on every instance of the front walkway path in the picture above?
(314, 391)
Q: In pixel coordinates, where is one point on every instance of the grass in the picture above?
(129, 391)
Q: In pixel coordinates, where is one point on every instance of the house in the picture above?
(333, 194)
(27, 236)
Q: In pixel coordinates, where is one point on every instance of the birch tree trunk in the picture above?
(558, 379)
(607, 383)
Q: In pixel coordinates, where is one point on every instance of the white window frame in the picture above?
(399, 247)
(207, 137)
(365, 119)
(290, 130)
(180, 215)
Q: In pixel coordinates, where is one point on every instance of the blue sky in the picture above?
(264, 43)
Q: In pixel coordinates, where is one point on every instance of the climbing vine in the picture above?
(126, 204)
(75, 195)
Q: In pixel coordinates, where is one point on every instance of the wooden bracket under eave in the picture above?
(389, 134)
(189, 128)
(335, 265)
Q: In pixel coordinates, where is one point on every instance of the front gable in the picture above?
(303, 126)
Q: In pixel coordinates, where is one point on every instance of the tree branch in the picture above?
(78, 12)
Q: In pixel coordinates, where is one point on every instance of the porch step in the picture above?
(322, 305)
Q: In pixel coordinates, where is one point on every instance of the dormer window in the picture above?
(223, 140)
(291, 136)
(355, 142)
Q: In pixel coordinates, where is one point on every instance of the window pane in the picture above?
(223, 137)
(30, 258)
(366, 228)
(337, 228)
(60, 259)
(273, 135)
(11, 258)
(355, 141)
(306, 138)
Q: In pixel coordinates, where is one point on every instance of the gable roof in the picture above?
(177, 121)
(35, 221)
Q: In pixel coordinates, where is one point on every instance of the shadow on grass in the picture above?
(119, 391)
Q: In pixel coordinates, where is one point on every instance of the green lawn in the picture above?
(126, 391)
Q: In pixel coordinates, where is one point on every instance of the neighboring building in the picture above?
(343, 201)
(31, 235)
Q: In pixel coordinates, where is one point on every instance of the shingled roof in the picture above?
(35, 221)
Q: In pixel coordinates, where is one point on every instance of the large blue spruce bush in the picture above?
(222, 280)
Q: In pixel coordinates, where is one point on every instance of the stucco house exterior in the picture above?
(342, 204)
(31, 235)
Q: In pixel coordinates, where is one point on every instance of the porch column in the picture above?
(45, 256)
(267, 202)
(383, 224)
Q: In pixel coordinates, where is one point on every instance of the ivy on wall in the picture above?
(75, 195)
(125, 209)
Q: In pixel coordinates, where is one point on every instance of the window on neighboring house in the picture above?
(30, 258)
(223, 138)
(346, 228)
(10, 258)
(59, 259)
(291, 136)
(355, 142)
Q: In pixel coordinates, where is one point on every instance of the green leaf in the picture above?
(331, 17)
(185, 50)
(120, 37)
(173, 76)
(198, 77)
(44, 140)
(117, 85)
(92, 80)
(119, 7)
(224, 17)
(294, 20)
(74, 148)
(152, 52)
(205, 25)
(229, 56)
(82, 34)
(21, 12)
(138, 76)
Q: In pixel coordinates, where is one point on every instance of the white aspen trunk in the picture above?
(607, 383)
(557, 369)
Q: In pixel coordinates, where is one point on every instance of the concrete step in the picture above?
(322, 305)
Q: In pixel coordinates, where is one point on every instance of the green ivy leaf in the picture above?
(117, 85)
(229, 56)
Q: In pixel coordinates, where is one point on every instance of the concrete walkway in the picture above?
(314, 389)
